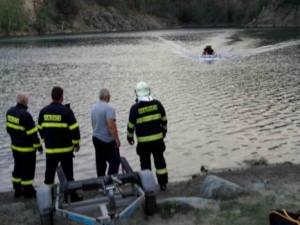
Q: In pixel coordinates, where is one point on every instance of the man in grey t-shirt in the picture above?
(105, 135)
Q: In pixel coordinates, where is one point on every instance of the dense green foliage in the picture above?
(69, 7)
(46, 14)
(186, 12)
(12, 16)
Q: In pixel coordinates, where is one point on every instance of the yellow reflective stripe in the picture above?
(131, 125)
(22, 149)
(59, 150)
(27, 182)
(40, 127)
(37, 145)
(49, 185)
(162, 171)
(165, 127)
(16, 180)
(150, 108)
(129, 134)
(75, 125)
(43, 140)
(76, 141)
(13, 126)
(148, 118)
(13, 119)
(150, 138)
(164, 118)
(31, 131)
(57, 125)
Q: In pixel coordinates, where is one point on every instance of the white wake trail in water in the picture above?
(243, 48)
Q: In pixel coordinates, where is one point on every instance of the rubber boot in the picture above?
(18, 190)
(29, 191)
(163, 187)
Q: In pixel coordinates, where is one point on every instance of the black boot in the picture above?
(18, 190)
(163, 187)
(29, 191)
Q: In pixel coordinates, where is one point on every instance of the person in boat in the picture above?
(208, 51)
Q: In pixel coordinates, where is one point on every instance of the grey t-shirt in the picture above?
(101, 113)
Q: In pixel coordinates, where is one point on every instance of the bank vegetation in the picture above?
(55, 16)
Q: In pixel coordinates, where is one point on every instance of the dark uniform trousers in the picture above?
(52, 161)
(106, 152)
(144, 150)
(24, 170)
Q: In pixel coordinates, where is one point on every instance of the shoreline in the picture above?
(279, 188)
(179, 27)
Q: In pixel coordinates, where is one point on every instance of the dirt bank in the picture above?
(279, 187)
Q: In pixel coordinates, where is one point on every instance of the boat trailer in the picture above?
(113, 197)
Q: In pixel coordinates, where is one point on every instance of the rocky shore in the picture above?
(211, 197)
(94, 16)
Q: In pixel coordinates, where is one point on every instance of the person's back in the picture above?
(208, 51)
(60, 132)
(148, 116)
(56, 122)
(24, 143)
(105, 135)
(148, 119)
(101, 112)
(17, 121)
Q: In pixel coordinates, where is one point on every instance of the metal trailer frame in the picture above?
(143, 187)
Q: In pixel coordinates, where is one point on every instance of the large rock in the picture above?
(280, 13)
(218, 188)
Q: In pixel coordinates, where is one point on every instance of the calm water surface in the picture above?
(220, 114)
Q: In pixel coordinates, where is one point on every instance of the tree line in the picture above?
(197, 12)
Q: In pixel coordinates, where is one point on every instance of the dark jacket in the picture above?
(58, 129)
(208, 51)
(149, 121)
(22, 130)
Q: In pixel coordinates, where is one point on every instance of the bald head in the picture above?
(22, 99)
(104, 95)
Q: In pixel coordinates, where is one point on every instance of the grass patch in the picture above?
(168, 210)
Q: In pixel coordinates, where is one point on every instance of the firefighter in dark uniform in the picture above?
(24, 143)
(148, 118)
(60, 132)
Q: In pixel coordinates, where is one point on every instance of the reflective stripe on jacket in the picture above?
(22, 130)
(148, 120)
(58, 128)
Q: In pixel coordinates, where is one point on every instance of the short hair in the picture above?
(57, 93)
(21, 98)
(104, 93)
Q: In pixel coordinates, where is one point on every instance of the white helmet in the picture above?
(142, 89)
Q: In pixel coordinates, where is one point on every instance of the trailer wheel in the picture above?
(150, 205)
(44, 202)
(149, 187)
(147, 181)
(47, 219)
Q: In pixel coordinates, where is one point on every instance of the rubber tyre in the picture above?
(150, 205)
(47, 219)
(147, 181)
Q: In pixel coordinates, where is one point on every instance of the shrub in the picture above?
(12, 16)
(46, 15)
(69, 7)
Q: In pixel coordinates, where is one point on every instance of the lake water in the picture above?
(220, 114)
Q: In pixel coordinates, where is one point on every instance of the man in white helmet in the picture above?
(148, 118)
